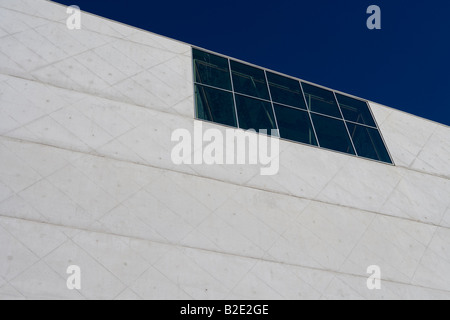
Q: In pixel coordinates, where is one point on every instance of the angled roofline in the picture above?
(251, 64)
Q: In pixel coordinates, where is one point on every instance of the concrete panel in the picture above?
(86, 178)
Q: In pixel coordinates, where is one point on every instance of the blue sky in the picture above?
(405, 65)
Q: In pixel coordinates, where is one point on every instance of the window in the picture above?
(285, 91)
(321, 100)
(368, 142)
(332, 134)
(355, 110)
(255, 114)
(249, 80)
(215, 105)
(236, 94)
(295, 125)
(211, 70)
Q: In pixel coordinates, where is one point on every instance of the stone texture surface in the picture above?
(86, 178)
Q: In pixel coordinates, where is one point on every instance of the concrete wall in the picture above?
(86, 179)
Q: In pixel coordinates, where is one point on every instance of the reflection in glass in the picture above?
(295, 125)
(368, 143)
(211, 70)
(321, 100)
(355, 110)
(332, 134)
(255, 114)
(215, 105)
(249, 80)
(265, 100)
(285, 90)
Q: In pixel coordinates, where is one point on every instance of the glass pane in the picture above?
(332, 134)
(321, 100)
(254, 114)
(368, 143)
(249, 80)
(285, 91)
(355, 110)
(215, 105)
(211, 70)
(295, 125)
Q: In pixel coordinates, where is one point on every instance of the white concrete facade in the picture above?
(86, 179)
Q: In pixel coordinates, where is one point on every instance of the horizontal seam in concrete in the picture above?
(191, 118)
(190, 45)
(90, 95)
(228, 254)
(227, 182)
